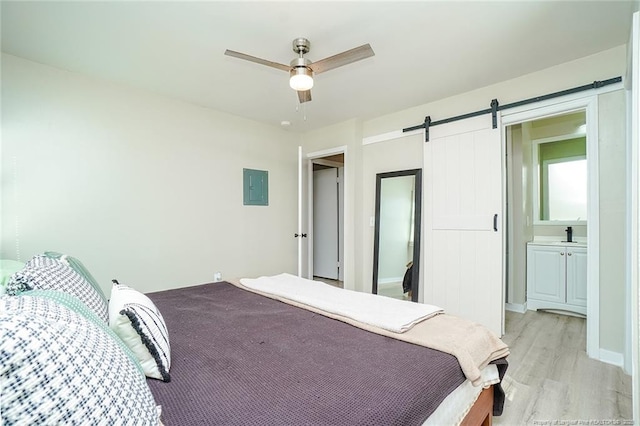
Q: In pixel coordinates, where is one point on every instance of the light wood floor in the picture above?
(329, 281)
(395, 292)
(551, 378)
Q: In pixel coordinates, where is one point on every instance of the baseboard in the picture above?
(610, 357)
(520, 308)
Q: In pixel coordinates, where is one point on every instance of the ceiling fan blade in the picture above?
(344, 58)
(250, 58)
(304, 96)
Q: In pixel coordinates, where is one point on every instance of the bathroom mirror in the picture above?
(396, 249)
(559, 157)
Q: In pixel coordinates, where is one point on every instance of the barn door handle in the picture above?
(495, 222)
(296, 235)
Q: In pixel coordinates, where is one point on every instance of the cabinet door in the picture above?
(546, 273)
(577, 276)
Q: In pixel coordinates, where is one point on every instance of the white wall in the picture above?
(139, 187)
(613, 186)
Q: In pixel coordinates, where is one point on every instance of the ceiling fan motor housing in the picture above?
(300, 63)
(301, 45)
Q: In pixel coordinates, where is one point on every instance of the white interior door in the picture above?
(463, 236)
(301, 234)
(341, 223)
(325, 223)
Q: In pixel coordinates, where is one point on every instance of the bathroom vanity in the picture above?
(557, 276)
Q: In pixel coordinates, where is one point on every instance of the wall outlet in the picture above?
(217, 277)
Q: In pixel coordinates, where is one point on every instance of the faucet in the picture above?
(569, 232)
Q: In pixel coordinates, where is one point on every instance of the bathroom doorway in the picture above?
(547, 190)
(551, 188)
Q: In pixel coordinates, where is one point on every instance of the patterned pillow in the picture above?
(58, 367)
(45, 273)
(74, 304)
(137, 321)
(7, 269)
(79, 267)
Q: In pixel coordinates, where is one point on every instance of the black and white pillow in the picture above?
(7, 269)
(74, 304)
(59, 367)
(75, 264)
(46, 273)
(138, 322)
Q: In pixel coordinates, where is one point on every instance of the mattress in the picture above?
(241, 358)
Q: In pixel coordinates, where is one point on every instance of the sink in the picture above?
(559, 243)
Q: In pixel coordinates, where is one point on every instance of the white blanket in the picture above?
(390, 314)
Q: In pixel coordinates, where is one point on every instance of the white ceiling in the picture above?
(425, 50)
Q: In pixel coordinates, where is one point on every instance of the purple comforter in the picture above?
(239, 358)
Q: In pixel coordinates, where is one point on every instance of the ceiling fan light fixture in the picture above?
(301, 70)
(301, 79)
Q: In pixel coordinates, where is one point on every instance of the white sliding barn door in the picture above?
(463, 253)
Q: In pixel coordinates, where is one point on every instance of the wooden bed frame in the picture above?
(481, 413)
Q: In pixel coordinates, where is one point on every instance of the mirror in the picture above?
(560, 181)
(396, 248)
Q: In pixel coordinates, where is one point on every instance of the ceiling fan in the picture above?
(301, 70)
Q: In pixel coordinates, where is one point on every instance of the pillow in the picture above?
(45, 273)
(7, 269)
(58, 367)
(77, 266)
(74, 304)
(137, 321)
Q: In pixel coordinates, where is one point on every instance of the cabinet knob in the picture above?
(568, 254)
(561, 253)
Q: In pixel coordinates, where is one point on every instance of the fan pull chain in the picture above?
(304, 110)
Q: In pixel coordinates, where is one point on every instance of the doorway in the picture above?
(333, 158)
(538, 143)
(328, 219)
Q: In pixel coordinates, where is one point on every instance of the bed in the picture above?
(242, 357)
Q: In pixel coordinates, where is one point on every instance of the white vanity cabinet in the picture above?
(557, 276)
